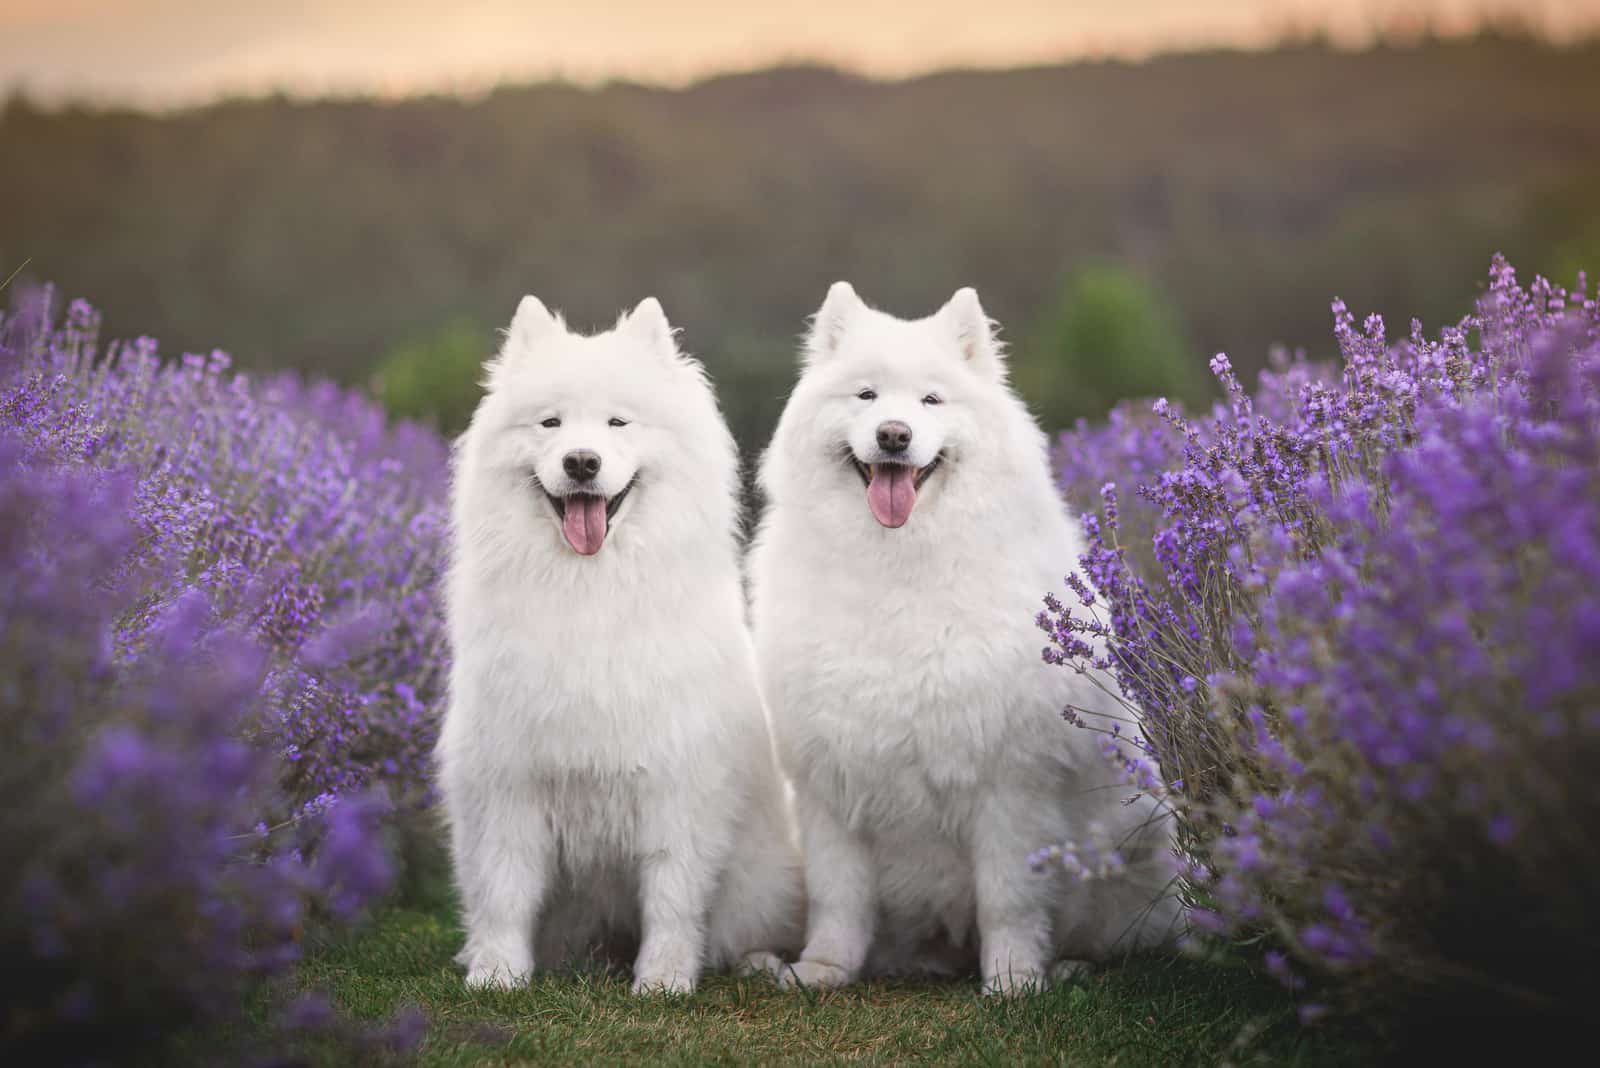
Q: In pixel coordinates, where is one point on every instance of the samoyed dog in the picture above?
(606, 765)
(911, 528)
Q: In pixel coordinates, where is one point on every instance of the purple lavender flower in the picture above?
(221, 647)
(294, 511)
(1389, 579)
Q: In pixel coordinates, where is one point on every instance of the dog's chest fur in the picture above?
(943, 692)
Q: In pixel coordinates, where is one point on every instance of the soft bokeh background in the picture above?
(1132, 186)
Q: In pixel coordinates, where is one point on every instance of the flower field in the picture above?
(221, 648)
(1353, 615)
(1356, 616)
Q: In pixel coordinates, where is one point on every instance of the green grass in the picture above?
(1143, 1012)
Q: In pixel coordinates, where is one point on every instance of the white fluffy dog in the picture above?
(912, 527)
(606, 766)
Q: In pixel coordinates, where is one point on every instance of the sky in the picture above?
(159, 53)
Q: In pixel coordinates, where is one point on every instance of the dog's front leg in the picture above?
(1013, 905)
(676, 879)
(503, 849)
(841, 889)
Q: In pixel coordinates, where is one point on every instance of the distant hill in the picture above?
(1250, 188)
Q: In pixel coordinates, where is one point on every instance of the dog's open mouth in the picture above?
(892, 488)
(586, 517)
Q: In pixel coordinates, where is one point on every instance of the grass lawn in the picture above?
(1143, 1012)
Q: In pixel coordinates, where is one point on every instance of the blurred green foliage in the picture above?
(753, 376)
(1576, 210)
(435, 378)
(1248, 188)
(1108, 337)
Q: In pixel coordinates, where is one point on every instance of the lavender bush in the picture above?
(1357, 618)
(220, 644)
(295, 511)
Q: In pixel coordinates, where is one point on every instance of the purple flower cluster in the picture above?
(1357, 615)
(220, 646)
(295, 512)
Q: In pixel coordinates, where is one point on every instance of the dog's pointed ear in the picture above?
(531, 323)
(973, 331)
(648, 324)
(839, 309)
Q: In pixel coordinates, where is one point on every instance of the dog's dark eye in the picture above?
(551, 423)
(866, 394)
(614, 421)
(932, 398)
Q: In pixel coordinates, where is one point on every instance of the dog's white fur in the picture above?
(606, 765)
(902, 668)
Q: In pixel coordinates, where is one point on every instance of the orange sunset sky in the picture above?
(162, 52)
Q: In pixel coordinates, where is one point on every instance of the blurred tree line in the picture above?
(1123, 220)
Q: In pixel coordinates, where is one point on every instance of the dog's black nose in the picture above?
(893, 436)
(583, 464)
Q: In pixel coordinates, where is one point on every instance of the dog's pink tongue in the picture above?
(892, 493)
(584, 523)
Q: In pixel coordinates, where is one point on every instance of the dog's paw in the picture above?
(495, 976)
(761, 962)
(671, 983)
(1065, 971)
(667, 965)
(495, 965)
(813, 975)
(1015, 983)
